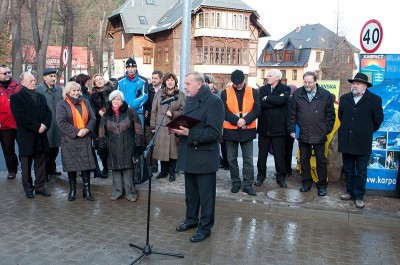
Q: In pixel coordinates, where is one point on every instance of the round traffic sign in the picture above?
(65, 56)
(371, 36)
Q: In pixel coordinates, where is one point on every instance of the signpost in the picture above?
(371, 36)
(65, 63)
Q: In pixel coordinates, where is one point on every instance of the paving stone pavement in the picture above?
(247, 231)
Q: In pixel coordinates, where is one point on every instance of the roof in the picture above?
(167, 14)
(304, 39)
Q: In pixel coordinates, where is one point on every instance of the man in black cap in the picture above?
(133, 88)
(360, 114)
(52, 93)
(242, 107)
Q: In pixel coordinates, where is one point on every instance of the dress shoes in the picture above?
(322, 192)
(282, 183)
(30, 195)
(258, 183)
(198, 237)
(249, 191)
(172, 177)
(56, 173)
(11, 175)
(235, 189)
(43, 192)
(184, 227)
(161, 175)
(305, 188)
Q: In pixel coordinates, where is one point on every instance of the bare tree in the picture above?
(4, 12)
(16, 29)
(41, 43)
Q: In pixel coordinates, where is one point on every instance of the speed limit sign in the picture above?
(65, 56)
(371, 36)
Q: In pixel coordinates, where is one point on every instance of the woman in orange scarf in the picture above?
(76, 121)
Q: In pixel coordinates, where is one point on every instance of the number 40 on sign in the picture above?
(371, 36)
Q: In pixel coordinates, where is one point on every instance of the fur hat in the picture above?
(48, 71)
(362, 78)
(237, 77)
(116, 93)
(130, 62)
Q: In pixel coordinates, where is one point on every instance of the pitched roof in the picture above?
(166, 14)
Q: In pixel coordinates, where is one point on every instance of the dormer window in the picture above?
(142, 20)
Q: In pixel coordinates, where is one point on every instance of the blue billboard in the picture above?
(383, 71)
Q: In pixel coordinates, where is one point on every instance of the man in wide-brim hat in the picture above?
(360, 114)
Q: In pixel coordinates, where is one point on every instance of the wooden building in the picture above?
(224, 37)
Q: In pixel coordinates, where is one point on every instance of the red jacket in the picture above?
(7, 120)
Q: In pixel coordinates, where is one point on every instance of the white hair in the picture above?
(276, 73)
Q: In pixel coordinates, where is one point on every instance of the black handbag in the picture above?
(142, 171)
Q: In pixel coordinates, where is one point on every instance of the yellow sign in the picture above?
(332, 86)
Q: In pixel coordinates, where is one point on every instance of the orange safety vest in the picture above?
(233, 106)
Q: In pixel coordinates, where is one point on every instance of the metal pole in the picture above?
(185, 41)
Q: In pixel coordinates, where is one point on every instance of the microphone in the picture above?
(168, 100)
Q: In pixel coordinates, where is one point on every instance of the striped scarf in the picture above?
(79, 121)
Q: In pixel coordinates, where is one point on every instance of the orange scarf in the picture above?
(79, 121)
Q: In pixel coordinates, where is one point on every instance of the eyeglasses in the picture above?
(5, 73)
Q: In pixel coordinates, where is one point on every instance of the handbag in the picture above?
(141, 172)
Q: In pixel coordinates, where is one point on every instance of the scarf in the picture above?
(79, 121)
(116, 109)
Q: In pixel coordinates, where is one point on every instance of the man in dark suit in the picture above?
(360, 114)
(33, 118)
(198, 155)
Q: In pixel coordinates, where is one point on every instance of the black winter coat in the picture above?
(315, 119)
(122, 136)
(358, 122)
(29, 115)
(273, 117)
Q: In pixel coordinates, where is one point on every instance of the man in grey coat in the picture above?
(52, 93)
(198, 155)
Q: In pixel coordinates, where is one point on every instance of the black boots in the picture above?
(86, 186)
(72, 186)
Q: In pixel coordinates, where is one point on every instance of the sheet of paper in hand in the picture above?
(182, 120)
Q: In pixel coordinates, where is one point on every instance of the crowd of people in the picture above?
(115, 120)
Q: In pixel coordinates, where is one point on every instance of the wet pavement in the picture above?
(278, 226)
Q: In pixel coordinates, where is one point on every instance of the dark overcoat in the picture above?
(52, 97)
(76, 152)
(274, 110)
(315, 119)
(122, 136)
(358, 122)
(29, 116)
(199, 151)
(165, 145)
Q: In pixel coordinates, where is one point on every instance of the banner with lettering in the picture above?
(383, 71)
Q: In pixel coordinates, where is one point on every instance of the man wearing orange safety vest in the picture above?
(242, 107)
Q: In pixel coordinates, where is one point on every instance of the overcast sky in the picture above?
(353, 14)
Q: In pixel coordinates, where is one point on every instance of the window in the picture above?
(218, 20)
(262, 73)
(318, 57)
(246, 23)
(239, 56)
(201, 20)
(228, 55)
(240, 22)
(205, 55)
(166, 55)
(211, 55)
(159, 56)
(222, 56)
(294, 75)
(142, 20)
(122, 41)
(283, 73)
(147, 55)
(288, 57)
(278, 56)
(267, 57)
(198, 55)
(150, 2)
(234, 21)
(217, 56)
(206, 20)
(212, 20)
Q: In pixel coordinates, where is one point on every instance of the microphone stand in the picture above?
(147, 249)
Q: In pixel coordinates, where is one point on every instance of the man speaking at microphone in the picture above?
(199, 155)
